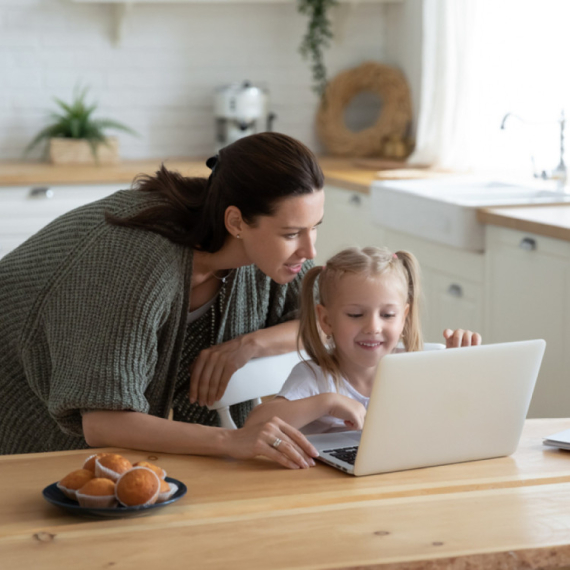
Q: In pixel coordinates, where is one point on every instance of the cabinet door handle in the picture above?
(355, 200)
(41, 192)
(529, 244)
(455, 290)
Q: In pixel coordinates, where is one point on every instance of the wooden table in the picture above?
(512, 512)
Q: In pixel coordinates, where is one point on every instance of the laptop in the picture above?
(439, 407)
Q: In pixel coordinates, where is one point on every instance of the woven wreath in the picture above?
(389, 135)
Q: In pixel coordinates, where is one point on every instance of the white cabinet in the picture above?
(452, 282)
(454, 303)
(528, 296)
(26, 210)
(346, 223)
(452, 279)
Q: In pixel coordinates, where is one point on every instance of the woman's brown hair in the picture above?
(368, 261)
(253, 174)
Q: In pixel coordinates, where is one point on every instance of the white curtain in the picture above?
(485, 58)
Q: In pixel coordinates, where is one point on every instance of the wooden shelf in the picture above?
(225, 1)
(122, 7)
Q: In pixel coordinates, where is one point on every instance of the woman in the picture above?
(106, 309)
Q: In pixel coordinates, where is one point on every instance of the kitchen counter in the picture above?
(352, 174)
(509, 512)
(547, 220)
(26, 173)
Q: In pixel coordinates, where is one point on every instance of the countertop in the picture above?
(352, 174)
(549, 221)
(509, 512)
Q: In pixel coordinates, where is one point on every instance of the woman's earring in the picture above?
(238, 236)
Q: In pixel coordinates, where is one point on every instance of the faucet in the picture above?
(560, 173)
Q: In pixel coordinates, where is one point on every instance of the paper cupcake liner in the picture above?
(69, 493)
(106, 473)
(88, 459)
(97, 501)
(167, 494)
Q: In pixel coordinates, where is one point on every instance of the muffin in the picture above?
(111, 466)
(90, 461)
(73, 481)
(138, 487)
(97, 493)
(158, 470)
(166, 491)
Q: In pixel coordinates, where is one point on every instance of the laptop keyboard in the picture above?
(347, 454)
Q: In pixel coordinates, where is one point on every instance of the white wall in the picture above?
(161, 78)
(404, 44)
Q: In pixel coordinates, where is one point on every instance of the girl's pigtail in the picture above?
(412, 334)
(310, 337)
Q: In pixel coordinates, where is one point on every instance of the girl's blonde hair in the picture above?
(368, 261)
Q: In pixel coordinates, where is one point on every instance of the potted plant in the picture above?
(75, 137)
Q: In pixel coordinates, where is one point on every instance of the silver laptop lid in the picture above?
(438, 407)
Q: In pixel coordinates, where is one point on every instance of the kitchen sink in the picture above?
(445, 210)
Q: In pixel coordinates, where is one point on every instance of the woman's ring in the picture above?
(276, 443)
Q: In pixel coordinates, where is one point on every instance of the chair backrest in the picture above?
(262, 377)
(258, 378)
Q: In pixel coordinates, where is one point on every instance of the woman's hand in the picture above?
(460, 337)
(212, 370)
(276, 440)
(348, 410)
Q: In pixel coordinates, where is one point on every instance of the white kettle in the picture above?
(241, 109)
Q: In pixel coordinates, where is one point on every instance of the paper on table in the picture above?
(560, 439)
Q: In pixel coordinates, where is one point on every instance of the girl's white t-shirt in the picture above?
(307, 379)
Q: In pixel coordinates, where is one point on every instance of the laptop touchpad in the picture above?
(334, 440)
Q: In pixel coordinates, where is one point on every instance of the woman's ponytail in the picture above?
(177, 210)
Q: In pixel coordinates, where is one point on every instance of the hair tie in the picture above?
(212, 162)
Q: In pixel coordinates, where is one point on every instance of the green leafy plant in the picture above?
(75, 121)
(317, 38)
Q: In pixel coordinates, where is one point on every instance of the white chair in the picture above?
(262, 377)
(258, 378)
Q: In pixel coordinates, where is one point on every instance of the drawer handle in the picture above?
(41, 192)
(355, 200)
(455, 290)
(528, 244)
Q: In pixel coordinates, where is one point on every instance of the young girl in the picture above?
(368, 304)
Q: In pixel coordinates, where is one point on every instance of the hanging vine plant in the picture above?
(317, 38)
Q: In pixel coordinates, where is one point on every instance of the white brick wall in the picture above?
(160, 79)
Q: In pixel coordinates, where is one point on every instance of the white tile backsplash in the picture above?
(161, 78)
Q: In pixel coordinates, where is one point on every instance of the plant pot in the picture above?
(78, 151)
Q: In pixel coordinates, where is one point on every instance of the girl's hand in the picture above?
(460, 337)
(349, 410)
(292, 449)
(212, 370)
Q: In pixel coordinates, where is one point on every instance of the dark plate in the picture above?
(54, 496)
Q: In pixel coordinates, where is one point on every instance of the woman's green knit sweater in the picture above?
(93, 316)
